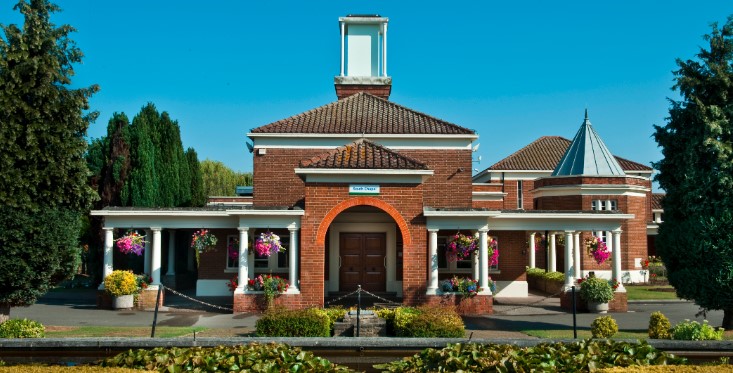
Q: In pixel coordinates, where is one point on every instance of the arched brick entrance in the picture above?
(362, 201)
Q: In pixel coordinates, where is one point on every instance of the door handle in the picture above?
(339, 261)
(385, 262)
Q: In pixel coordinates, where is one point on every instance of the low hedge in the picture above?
(581, 356)
(63, 369)
(22, 328)
(428, 322)
(281, 322)
(255, 357)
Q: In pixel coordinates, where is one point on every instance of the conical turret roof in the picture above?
(588, 155)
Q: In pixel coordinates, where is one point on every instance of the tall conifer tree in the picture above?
(696, 238)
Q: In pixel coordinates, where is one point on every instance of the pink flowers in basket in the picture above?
(132, 242)
(267, 244)
(461, 247)
(598, 249)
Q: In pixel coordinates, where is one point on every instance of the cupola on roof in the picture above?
(363, 56)
(588, 155)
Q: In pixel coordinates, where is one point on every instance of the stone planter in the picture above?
(123, 302)
(596, 307)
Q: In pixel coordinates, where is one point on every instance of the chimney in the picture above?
(363, 56)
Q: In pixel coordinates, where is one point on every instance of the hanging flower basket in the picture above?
(233, 249)
(493, 252)
(267, 244)
(598, 249)
(460, 247)
(131, 242)
(202, 241)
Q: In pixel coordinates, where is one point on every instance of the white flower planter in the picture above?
(123, 302)
(594, 307)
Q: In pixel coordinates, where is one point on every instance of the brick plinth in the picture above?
(258, 303)
(477, 305)
(619, 303)
(146, 299)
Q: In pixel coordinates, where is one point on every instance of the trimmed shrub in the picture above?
(659, 326)
(604, 327)
(56, 368)
(581, 356)
(255, 357)
(595, 289)
(428, 322)
(334, 314)
(17, 328)
(281, 322)
(388, 315)
(555, 276)
(535, 272)
(694, 331)
(121, 282)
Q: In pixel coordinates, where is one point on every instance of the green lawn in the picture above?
(650, 292)
(584, 334)
(119, 331)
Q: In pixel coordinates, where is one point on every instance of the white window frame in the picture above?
(520, 195)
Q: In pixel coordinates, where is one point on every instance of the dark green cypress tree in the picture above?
(198, 196)
(43, 173)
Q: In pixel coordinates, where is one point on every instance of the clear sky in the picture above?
(512, 71)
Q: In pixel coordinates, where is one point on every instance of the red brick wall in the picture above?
(510, 200)
(448, 187)
(560, 203)
(494, 187)
(513, 257)
(477, 305)
(346, 90)
(213, 263)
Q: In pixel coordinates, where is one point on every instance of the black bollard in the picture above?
(575, 325)
(358, 310)
(155, 315)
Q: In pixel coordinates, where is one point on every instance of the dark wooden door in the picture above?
(362, 261)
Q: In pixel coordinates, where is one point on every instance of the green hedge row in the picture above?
(312, 322)
(423, 321)
(581, 356)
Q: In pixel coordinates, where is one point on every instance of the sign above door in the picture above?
(363, 190)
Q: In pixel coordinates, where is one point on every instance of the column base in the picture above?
(249, 301)
(476, 305)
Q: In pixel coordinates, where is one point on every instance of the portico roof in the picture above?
(363, 154)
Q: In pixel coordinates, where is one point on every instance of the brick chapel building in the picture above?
(366, 192)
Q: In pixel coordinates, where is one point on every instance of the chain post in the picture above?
(358, 310)
(575, 325)
(155, 315)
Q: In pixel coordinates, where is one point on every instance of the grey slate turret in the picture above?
(587, 155)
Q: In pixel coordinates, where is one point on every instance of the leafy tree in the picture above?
(198, 196)
(220, 180)
(696, 238)
(43, 183)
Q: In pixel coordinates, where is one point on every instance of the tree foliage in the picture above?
(696, 238)
(43, 120)
(220, 180)
(43, 183)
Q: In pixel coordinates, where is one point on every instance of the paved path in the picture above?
(511, 315)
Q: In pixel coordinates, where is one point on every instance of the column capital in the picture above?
(156, 229)
(107, 229)
(484, 230)
(293, 229)
(433, 230)
(617, 231)
(243, 229)
(569, 231)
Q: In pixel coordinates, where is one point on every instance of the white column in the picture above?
(108, 254)
(609, 241)
(433, 252)
(243, 274)
(569, 269)
(384, 54)
(171, 252)
(576, 256)
(343, 44)
(147, 254)
(155, 265)
(552, 265)
(532, 260)
(475, 266)
(617, 260)
(250, 257)
(484, 258)
(293, 261)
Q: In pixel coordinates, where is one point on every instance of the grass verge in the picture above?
(119, 331)
(650, 292)
(585, 334)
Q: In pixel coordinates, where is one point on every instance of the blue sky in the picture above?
(512, 71)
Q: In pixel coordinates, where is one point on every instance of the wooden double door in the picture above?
(362, 261)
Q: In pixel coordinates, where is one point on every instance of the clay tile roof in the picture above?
(545, 153)
(363, 154)
(363, 113)
(657, 201)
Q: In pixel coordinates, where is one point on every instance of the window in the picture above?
(275, 262)
(459, 266)
(232, 252)
(604, 204)
(520, 197)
